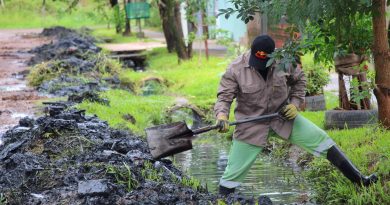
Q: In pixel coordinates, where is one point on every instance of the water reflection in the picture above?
(208, 159)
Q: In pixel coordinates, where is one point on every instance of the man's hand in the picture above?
(222, 123)
(290, 111)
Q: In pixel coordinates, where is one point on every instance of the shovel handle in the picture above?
(252, 119)
(213, 127)
(205, 129)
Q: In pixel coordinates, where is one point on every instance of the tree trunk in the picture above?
(205, 34)
(2, 3)
(181, 48)
(343, 95)
(173, 31)
(166, 14)
(191, 29)
(127, 31)
(115, 6)
(43, 7)
(382, 61)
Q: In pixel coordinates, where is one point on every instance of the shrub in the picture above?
(316, 77)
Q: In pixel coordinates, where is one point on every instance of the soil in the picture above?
(16, 98)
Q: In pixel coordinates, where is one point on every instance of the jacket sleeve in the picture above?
(227, 91)
(297, 83)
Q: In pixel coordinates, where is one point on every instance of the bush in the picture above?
(316, 77)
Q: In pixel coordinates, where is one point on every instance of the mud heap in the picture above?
(68, 45)
(69, 158)
(66, 157)
(69, 63)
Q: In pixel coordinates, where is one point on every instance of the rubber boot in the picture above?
(225, 191)
(338, 159)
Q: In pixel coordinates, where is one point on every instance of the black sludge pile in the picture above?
(69, 158)
(69, 46)
(70, 55)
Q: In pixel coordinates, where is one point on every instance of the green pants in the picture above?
(304, 134)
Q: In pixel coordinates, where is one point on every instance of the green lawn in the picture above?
(29, 14)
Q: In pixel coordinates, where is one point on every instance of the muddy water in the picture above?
(16, 98)
(208, 159)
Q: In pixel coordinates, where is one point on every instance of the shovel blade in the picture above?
(168, 139)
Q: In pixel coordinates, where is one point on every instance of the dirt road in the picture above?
(16, 98)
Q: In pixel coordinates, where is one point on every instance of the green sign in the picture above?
(138, 10)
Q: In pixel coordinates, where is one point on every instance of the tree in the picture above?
(117, 15)
(339, 16)
(127, 31)
(171, 22)
(382, 60)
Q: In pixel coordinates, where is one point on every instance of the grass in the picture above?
(111, 35)
(369, 149)
(147, 111)
(196, 79)
(123, 175)
(28, 14)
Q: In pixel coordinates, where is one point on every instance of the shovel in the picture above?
(169, 139)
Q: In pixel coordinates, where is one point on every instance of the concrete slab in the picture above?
(128, 47)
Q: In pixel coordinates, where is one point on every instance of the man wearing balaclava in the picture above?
(261, 90)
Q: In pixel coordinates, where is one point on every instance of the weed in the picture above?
(44, 71)
(3, 199)
(123, 175)
(150, 173)
(191, 182)
(104, 64)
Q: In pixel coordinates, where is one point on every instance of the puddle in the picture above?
(207, 161)
(15, 87)
(19, 115)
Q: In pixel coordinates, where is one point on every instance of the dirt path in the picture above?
(16, 98)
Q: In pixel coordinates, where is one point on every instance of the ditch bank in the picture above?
(66, 157)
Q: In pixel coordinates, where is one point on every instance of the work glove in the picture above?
(290, 111)
(223, 123)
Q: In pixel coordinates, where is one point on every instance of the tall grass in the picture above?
(369, 149)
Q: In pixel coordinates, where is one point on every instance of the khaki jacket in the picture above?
(255, 97)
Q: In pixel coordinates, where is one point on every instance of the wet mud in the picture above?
(67, 157)
(17, 99)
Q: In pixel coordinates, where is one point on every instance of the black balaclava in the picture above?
(261, 47)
